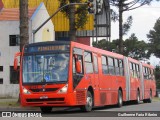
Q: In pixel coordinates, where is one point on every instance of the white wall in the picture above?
(46, 33)
(6, 59)
(7, 52)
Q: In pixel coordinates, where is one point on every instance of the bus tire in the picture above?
(89, 103)
(138, 97)
(46, 109)
(120, 99)
(144, 101)
(150, 97)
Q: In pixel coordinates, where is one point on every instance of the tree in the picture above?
(135, 48)
(77, 16)
(132, 47)
(157, 76)
(154, 39)
(106, 45)
(24, 35)
(125, 5)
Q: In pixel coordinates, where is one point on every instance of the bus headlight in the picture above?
(64, 89)
(25, 91)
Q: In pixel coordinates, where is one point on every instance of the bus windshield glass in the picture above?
(47, 68)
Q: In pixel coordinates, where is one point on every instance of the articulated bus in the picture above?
(72, 74)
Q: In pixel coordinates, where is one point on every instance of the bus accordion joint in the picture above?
(16, 60)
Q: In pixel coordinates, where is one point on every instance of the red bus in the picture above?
(73, 74)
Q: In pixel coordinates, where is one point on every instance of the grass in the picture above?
(156, 99)
(9, 104)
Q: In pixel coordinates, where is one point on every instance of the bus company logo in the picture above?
(43, 88)
(43, 97)
(6, 114)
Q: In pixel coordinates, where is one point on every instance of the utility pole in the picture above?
(24, 35)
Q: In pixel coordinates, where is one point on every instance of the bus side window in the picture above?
(149, 74)
(88, 62)
(145, 73)
(152, 74)
(111, 65)
(104, 65)
(95, 64)
(121, 67)
(116, 64)
(131, 69)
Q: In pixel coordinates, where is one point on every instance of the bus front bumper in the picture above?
(68, 99)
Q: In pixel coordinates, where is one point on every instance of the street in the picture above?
(112, 111)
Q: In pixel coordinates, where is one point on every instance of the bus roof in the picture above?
(134, 60)
(147, 65)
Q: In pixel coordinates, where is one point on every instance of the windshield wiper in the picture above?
(43, 80)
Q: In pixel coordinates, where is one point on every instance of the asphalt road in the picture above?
(128, 110)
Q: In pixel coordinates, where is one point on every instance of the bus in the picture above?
(73, 74)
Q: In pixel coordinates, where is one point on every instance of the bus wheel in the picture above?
(120, 99)
(150, 97)
(145, 101)
(138, 97)
(46, 109)
(89, 103)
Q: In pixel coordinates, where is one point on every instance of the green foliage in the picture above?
(154, 39)
(135, 48)
(81, 12)
(81, 16)
(127, 25)
(132, 47)
(123, 6)
(157, 76)
(106, 45)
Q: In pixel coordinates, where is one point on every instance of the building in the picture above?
(9, 38)
(102, 28)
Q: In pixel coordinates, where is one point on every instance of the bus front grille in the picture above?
(48, 99)
(44, 90)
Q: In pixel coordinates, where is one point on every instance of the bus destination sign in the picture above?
(47, 48)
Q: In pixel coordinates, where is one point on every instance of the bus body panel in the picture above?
(134, 78)
(149, 83)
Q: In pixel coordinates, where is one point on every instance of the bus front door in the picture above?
(96, 80)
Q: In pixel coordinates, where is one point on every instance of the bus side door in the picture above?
(96, 80)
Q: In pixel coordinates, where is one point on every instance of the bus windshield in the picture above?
(45, 68)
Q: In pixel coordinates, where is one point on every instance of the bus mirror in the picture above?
(78, 66)
(16, 60)
(15, 64)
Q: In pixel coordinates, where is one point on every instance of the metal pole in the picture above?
(96, 29)
(35, 31)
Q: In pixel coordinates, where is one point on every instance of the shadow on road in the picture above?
(74, 111)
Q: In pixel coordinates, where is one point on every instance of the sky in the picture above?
(144, 19)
